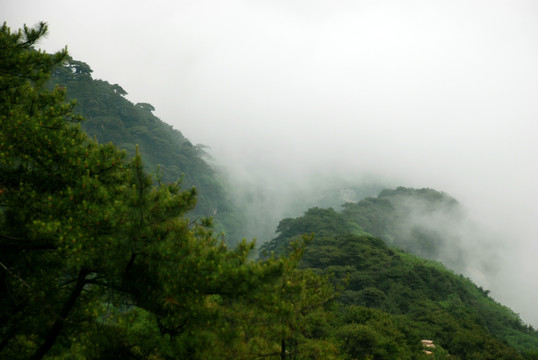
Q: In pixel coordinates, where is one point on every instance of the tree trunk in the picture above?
(59, 323)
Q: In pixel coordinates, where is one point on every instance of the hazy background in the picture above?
(438, 94)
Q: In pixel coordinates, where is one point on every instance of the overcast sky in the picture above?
(439, 94)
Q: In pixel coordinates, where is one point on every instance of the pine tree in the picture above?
(97, 258)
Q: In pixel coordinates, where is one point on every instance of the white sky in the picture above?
(438, 94)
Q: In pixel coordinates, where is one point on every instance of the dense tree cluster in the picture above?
(97, 259)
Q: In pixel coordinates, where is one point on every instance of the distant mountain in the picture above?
(434, 301)
(110, 117)
(421, 221)
(426, 223)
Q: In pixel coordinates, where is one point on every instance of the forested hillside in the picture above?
(110, 117)
(101, 258)
(434, 301)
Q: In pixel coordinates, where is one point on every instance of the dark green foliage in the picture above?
(315, 220)
(367, 332)
(97, 260)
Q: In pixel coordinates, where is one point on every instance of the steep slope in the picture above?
(110, 117)
(436, 303)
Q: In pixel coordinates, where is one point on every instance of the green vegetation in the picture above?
(99, 261)
(416, 297)
(319, 221)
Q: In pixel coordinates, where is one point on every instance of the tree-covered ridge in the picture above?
(432, 301)
(318, 221)
(110, 117)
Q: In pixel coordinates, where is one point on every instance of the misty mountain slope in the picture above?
(424, 222)
(436, 302)
(110, 117)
